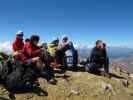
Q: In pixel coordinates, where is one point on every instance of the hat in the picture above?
(64, 37)
(19, 33)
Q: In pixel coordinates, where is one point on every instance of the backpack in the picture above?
(69, 59)
(14, 79)
(20, 75)
(5, 67)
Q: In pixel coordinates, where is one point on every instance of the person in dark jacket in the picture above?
(97, 59)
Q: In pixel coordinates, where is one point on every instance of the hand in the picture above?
(42, 49)
(35, 59)
(17, 53)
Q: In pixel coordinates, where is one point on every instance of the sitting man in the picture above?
(97, 59)
(17, 45)
(32, 53)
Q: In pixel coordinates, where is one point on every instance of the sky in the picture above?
(84, 21)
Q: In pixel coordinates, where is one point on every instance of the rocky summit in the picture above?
(83, 86)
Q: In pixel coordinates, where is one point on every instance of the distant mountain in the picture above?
(113, 52)
(120, 52)
(125, 63)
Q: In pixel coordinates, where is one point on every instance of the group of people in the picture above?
(30, 53)
(32, 60)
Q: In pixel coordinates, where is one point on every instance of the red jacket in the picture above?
(30, 51)
(17, 45)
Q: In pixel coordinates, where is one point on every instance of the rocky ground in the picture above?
(83, 86)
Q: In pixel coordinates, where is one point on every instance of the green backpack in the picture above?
(4, 69)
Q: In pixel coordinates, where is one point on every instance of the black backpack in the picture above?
(20, 75)
(14, 79)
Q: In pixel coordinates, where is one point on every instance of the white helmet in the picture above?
(19, 33)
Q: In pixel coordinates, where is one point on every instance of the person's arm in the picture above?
(105, 53)
(16, 52)
(106, 65)
(37, 52)
(88, 60)
(14, 47)
(106, 61)
(106, 57)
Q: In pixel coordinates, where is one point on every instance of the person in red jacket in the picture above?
(17, 45)
(31, 49)
(32, 52)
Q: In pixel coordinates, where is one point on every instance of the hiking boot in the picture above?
(28, 85)
(39, 91)
(42, 93)
(105, 74)
(52, 82)
(12, 96)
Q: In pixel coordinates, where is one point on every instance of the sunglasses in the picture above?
(20, 35)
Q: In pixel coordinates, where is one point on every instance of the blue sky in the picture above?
(84, 21)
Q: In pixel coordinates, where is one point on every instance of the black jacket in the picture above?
(98, 56)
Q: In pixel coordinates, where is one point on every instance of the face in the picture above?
(99, 45)
(103, 47)
(45, 46)
(65, 40)
(20, 36)
(35, 42)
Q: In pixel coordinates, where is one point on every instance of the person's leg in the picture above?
(39, 91)
(48, 74)
(30, 80)
(92, 68)
(88, 67)
(60, 56)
